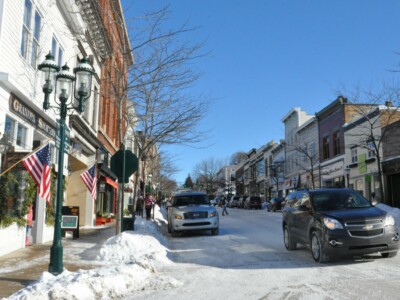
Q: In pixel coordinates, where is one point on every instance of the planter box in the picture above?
(13, 238)
(100, 221)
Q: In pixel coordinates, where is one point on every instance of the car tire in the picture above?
(317, 248)
(215, 231)
(389, 254)
(287, 239)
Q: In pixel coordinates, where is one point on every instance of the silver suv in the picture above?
(192, 211)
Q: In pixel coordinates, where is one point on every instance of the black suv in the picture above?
(338, 222)
(253, 202)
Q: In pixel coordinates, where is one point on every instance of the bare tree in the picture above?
(377, 110)
(238, 157)
(307, 159)
(206, 173)
(159, 88)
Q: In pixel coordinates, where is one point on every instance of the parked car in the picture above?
(242, 200)
(338, 222)
(214, 201)
(274, 204)
(253, 202)
(192, 211)
(234, 202)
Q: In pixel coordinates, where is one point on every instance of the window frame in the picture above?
(325, 147)
(31, 33)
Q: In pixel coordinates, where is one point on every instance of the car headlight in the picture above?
(332, 224)
(390, 221)
(178, 217)
(213, 214)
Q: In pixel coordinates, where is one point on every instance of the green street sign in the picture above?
(117, 164)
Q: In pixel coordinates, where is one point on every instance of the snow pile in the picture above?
(133, 247)
(129, 261)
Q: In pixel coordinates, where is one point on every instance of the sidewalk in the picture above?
(25, 266)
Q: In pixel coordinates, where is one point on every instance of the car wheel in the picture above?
(317, 249)
(389, 254)
(289, 243)
(215, 231)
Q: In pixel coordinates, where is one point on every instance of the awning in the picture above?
(106, 172)
(111, 182)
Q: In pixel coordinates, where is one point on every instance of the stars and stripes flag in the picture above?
(38, 165)
(90, 180)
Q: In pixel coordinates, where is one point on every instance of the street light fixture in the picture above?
(82, 77)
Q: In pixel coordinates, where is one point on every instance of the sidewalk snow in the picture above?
(129, 262)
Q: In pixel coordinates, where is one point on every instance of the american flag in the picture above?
(90, 180)
(38, 165)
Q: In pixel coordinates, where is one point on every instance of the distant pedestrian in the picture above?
(139, 209)
(148, 204)
(224, 205)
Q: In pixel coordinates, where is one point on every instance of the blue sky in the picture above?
(270, 56)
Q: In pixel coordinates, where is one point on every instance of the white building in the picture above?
(29, 29)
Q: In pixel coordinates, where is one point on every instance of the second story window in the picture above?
(336, 143)
(325, 148)
(354, 157)
(371, 150)
(57, 51)
(30, 37)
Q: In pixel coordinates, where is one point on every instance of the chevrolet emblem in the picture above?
(368, 227)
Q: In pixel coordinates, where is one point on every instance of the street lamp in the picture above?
(347, 170)
(82, 77)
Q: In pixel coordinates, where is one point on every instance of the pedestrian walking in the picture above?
(224, 205)
(139, 209)
(148, 204)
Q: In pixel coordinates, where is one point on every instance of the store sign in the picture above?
(332, 171)
(30, 116)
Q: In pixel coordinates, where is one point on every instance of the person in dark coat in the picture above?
(148, 204)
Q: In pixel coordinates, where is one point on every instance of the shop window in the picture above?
(16, 131)
(21, 135)
(325, 147)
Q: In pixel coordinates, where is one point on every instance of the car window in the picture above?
(338, 200)
(190, 200)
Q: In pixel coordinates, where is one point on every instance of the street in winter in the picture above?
(247, 260)
(266, 135)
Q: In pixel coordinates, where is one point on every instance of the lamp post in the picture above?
(347, 171)
(82, 77)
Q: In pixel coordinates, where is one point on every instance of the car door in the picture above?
(303, 217)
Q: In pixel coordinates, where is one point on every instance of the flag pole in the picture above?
(35, 150)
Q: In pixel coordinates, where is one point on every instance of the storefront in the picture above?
(332, 175)
(107, 191)
(391, 170)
